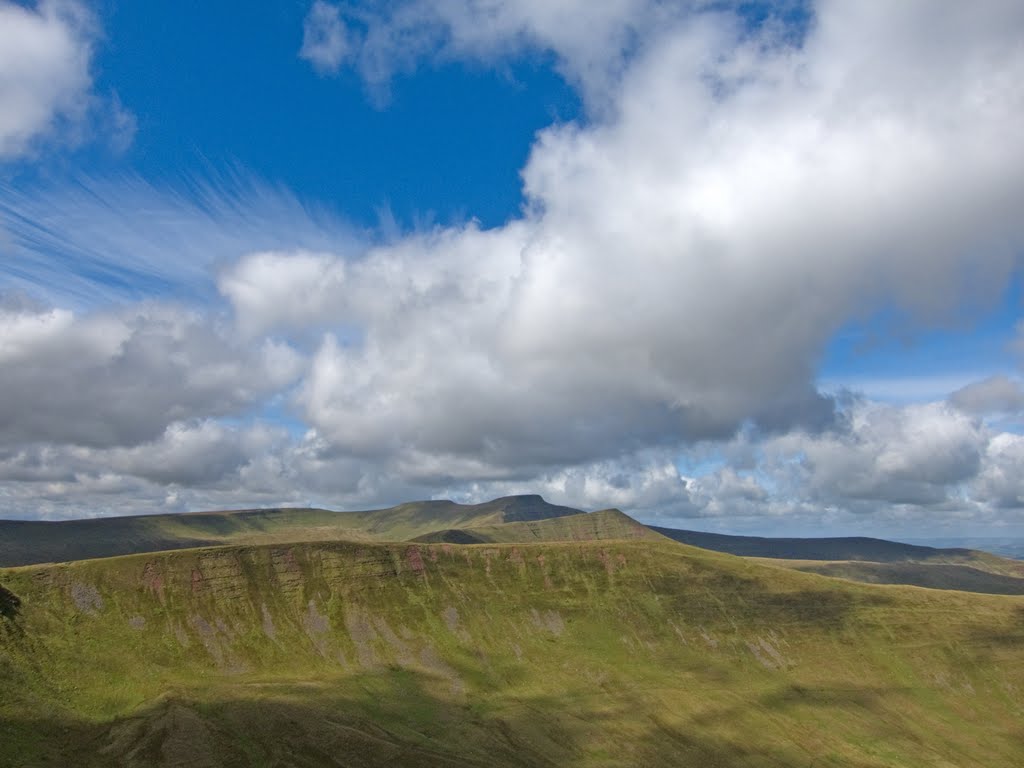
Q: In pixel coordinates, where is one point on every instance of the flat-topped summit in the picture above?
(526, 507)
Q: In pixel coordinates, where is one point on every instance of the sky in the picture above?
(749, 267)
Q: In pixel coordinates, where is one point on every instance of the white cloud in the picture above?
(326, 40)
(910, 467)
(115, 240)
(684, 256)
(46, 88)
(120, 378)
(284, 290)
(592, 42)
(915, 454)
(1001, 481)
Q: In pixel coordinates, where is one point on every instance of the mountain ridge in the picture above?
(31, 542)
(582, 653)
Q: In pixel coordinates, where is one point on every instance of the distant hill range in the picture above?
(29, 542)
(509, 520)
(874, 561)
(837, 548)
(1004, 546)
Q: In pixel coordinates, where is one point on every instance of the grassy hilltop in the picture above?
(598, 653)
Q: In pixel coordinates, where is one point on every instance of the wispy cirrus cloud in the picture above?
(115, 239)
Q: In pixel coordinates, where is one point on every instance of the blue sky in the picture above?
(748, 267)
(445, 143)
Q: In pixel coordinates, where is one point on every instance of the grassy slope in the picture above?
(931, 575)
(593, 526)
(30, 542)
(986, 573)
(582, 654)
(852, 548)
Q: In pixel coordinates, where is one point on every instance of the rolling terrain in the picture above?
(513, 519)
(595, 653)
(931, 575)
(896, 563)
(842, 548)
(31, 542)
(872, 561)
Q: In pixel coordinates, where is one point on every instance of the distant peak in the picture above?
(522, 498)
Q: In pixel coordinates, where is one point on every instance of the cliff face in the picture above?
(588, 653)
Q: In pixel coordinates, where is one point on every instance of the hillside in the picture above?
(931, 575)
(852, 548)
(607, 653)
(32, 542)
(607, 524)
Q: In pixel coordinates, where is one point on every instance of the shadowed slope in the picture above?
(585, 654)
(30, 542)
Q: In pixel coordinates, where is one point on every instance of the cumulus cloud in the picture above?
(45, 80)
(881, 465)
(284, 290)
(121, 378)
(1001, 481)
(685, 254)
(916, 454)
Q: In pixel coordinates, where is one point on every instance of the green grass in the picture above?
(931, 575)
(593, 653)
(604, 525)
(845, 549)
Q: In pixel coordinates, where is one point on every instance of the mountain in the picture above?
(1004, 546)
(872, 561)
(583, 653)
(836, 548)
(31, 542)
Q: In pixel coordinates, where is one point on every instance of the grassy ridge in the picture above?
(31, 542)
(930, 575)
(839, 548)
(846, 549)
(582, 654)
(604, 525)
